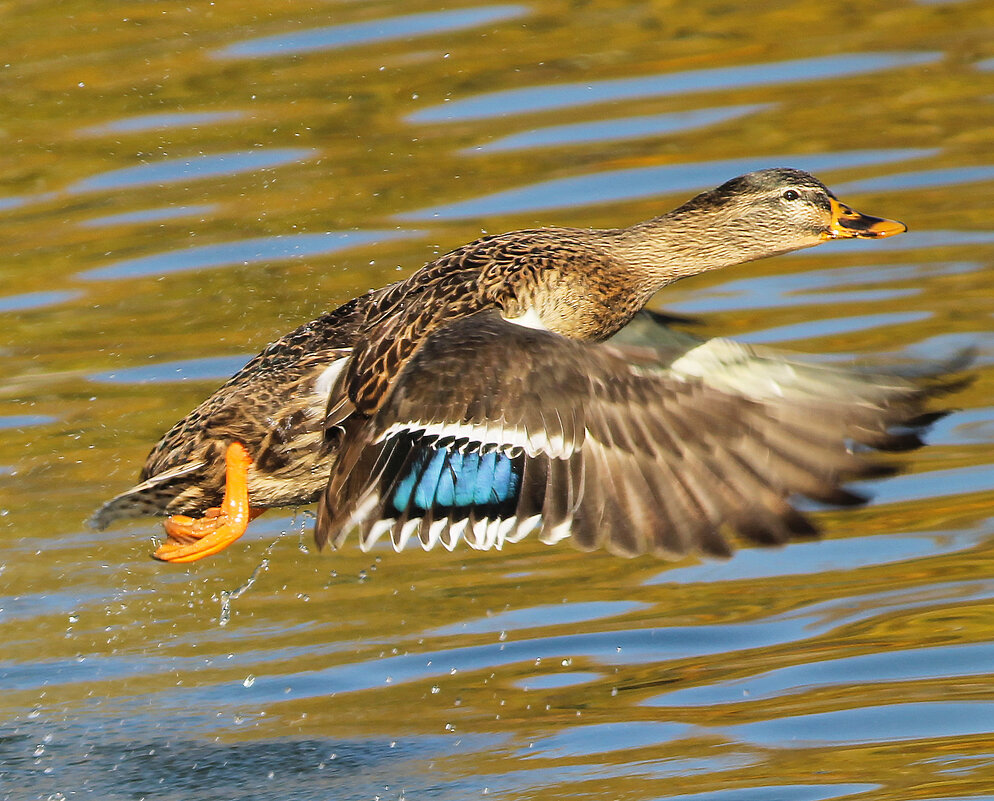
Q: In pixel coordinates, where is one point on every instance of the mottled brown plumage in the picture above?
(488, 358)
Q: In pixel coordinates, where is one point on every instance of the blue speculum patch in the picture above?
(441, 478)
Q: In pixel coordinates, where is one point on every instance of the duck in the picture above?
(517, 386)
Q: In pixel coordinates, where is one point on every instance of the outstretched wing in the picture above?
(493, 431)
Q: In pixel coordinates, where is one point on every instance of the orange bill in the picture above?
(848, 223)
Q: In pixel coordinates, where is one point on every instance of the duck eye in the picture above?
(791, 194)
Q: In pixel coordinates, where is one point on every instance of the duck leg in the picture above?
(193, 538)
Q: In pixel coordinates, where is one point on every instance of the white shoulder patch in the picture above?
(329, 376)
(529, 319)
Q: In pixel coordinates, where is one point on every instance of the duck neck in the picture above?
(684, 243)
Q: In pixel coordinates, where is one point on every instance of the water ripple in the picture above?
(922, 179)
(558, 96)
(37, 300)
(556, 681)
(964, 427)
(888, 666)
(914, 240)
(25, 420)
(875, 724)
(601, 738)
(610, 647)
(638, 182)
(618, 129)
(387, 29)
(540, 616)
(155, 122)
(809, 287)
(833, 326)
(150, 215)
(935, 484)
(243, 251)
(804, 558)
(193, 168)
(209, 367)
(780, 792)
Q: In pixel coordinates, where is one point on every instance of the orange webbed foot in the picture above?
(182, 528)
(193, 538)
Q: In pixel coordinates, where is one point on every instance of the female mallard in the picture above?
(478, 399)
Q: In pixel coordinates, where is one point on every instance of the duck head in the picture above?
(786, 209)
(756, 215)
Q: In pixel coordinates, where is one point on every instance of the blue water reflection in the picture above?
(964, 427)
(892, 723)
(894, 665)
(618, 129)
(802, 558)
(559, 96)
(637, 182)
(150, 215)
(786, 792)
(241, 251)
(950, 346)
(808, 287)
(386, 29)
(37, 300)
(922, 179)
(171, 119)
(193, 168)
(601, 738)
(934, 484)
(915, 239)
(832, 327)
(535, 616)
(25, 420)
(12, 202)
(210, 367)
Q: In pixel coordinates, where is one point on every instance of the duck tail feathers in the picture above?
(148, 498)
